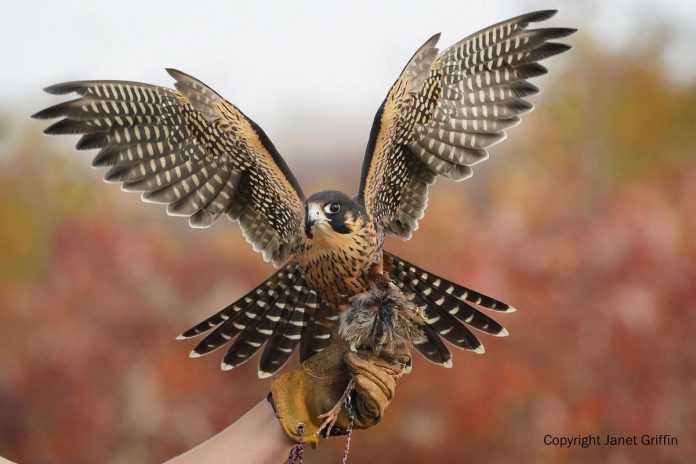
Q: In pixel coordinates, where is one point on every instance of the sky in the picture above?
(290, 66)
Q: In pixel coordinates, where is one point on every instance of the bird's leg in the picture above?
(332, 416)
(378, 276)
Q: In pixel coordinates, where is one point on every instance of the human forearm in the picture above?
(255, 438)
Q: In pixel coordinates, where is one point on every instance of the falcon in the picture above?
(192, 150)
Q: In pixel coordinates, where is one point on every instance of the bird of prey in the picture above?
(200, 155)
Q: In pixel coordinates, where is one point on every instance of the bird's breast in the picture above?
(334, 264)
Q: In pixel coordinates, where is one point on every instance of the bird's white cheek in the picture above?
(315, 213)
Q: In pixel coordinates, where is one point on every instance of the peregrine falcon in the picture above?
(200, 155)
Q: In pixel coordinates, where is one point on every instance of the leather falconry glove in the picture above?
(312, 389)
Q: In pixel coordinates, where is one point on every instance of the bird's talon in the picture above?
(332, 415)
(331, 418)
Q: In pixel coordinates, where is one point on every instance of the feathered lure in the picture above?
(382, 321)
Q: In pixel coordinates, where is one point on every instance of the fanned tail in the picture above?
(449, 309)
(280, 313)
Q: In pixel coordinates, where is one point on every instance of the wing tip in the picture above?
(558, 48)
(560, 32)
(263, 374)
(194, 354)
(433, 40)
(51, 112)
(540, 15)
(61, 88)
(175, 73)
(37, 115)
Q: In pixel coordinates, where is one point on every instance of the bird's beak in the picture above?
(315, 215)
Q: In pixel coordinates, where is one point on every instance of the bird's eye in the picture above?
(332, 208)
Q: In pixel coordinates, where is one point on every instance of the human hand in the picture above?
(319, 384)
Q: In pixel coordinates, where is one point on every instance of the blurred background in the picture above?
(584, 219)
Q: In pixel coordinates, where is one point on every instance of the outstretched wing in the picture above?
(189, 149)
(445, 110)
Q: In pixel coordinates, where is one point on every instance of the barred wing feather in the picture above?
(445, 110)
(189, 149)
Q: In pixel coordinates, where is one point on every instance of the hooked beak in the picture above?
(315, 215)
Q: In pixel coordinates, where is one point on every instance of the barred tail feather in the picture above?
(450, 288)
(326, 318)
(242, 319)
(433, 349)
(285, 337)
(261, 327)
(450, 305)
(443, 323)
(447, 306)
(276, 313)
(259, 295)
(317, 334)
(322, 337)
(309, 330)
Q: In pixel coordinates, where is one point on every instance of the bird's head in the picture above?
(330, 214)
